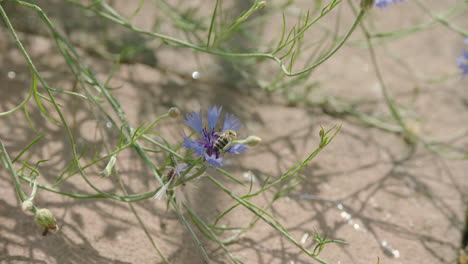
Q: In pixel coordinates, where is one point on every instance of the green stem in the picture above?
(275, 226)
(9, 166)
(31, 91)
(142, 224)
(205, 49)
(442, 21)
(123, 198)
(396, 115)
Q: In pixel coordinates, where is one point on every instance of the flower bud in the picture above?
(174, 112)
(367, 4)
(260, 5)
(253, 141)
(321, 132)
(110, 166)
(45, 219)
(27, 206)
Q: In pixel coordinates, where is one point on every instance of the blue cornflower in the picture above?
(384, 3)
(462, 62)
(204, 146)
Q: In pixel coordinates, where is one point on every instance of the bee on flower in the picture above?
(211, 144)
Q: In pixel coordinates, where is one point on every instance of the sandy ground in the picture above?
(368, 187)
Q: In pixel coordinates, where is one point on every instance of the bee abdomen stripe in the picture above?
(221, 143)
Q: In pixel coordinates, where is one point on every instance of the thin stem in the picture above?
(142, 224)
(205, 49)
(396, 115)
(9, 166)
(275, 226)
(442, 20)
(26, 100)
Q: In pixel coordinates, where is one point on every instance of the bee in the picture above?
(224, 138)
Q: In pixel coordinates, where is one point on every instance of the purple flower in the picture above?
(384, 3)
(462, 62)
(204, 145)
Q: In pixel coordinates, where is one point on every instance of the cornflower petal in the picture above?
(195, 121)
(237, 149)
(198, 148)
(162, 191)
(213, 115)
(464, 56)
(384, 3)
(381, 3)
(212, 161)
(231, 122)
(464, 68)
(180, 169)
(462, 62)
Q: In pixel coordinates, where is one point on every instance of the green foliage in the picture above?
(213, 35)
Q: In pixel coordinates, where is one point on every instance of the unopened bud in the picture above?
(367, 4)
(174, 112)
(110, 166)
(322, 132)
(27, 206)
(45, 219)
(261, 5)
(253, 141)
